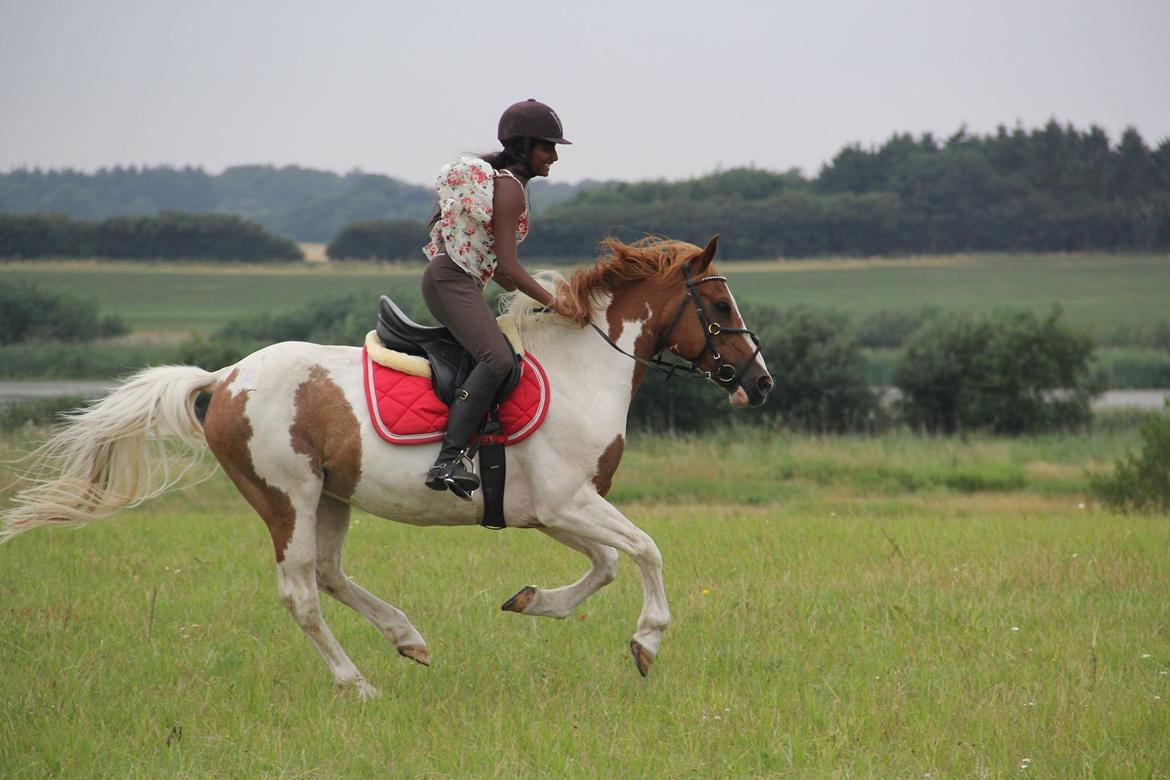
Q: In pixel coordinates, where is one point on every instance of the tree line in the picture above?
(1055, 188)
(299, 203)
(1052, 188)
(171, 235)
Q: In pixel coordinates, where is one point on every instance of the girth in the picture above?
(450, 362)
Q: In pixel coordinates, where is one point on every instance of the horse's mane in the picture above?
(620, 264)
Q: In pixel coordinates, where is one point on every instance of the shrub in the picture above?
(37, 412)
(1141, 482)
(1008, 373)
(28, 313)
(819, 370)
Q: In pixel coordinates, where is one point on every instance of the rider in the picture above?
(464, 255)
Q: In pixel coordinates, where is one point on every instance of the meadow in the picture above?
(1107, 294)
(894, 606)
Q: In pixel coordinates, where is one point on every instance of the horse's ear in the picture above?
(704, 260)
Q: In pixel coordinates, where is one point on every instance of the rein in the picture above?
(726, 373)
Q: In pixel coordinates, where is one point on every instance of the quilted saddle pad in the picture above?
(405, 410)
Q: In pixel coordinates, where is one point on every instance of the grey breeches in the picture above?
(457, 301)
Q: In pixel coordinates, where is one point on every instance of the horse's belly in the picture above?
(391, 486)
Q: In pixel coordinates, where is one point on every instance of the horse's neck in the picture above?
(588, 372)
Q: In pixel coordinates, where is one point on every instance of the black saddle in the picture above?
(450, 362)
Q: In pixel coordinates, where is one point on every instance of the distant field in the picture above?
(1105, 294)
(1101, 293)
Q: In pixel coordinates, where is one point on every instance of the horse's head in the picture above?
(706, 328)
(681, 304)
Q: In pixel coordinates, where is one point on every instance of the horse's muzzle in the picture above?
(752, 391)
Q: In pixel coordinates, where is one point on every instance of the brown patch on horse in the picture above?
(607, 464)
(326, 430)
(227, 430)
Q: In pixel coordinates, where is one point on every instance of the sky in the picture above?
(645, 90)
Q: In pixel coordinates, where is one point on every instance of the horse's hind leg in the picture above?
(332, 525)
(297, 580)
(560, 602)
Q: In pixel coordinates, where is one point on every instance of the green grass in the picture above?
(829, 624)
(192, 298)
(1099, 292)
(1103, 293)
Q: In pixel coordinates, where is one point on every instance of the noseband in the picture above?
(726, 373)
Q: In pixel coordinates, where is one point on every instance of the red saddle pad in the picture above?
(405, 410)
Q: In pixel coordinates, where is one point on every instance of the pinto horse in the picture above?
(288, 424)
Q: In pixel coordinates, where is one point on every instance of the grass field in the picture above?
(1105, 294)
(890, 607)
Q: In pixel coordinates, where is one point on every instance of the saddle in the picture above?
(449, 366)
(450, 363)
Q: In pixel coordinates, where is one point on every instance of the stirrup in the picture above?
(455, 475)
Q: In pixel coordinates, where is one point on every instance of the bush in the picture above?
(1009, 373)
(38, 412)
(1141, 482)
(819, 370)
(381, 239)
(28, 313)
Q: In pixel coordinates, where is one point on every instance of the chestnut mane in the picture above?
(652, 257)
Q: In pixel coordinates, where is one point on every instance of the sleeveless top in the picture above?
(464, 229)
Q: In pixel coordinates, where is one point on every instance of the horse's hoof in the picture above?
(416, 653)
(521, 601)
(366, 691)
(642, 657)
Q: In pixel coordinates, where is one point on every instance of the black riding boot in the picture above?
(452, 469)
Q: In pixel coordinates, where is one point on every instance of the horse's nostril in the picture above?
(764, 383)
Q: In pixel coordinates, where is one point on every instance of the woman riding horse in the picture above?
(471, 245)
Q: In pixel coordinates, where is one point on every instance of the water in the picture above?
(24, 390)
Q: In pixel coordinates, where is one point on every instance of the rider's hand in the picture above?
(563, 309)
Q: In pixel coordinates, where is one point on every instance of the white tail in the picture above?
(116, 453)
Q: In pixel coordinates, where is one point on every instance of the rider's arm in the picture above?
(507, 207)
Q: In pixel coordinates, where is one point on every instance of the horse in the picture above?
(288, 426)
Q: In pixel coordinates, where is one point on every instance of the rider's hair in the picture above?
(516, 150)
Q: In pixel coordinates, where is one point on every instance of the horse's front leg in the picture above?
(591, 517)
(560, 602)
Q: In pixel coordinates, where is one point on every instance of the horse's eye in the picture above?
(723, 307)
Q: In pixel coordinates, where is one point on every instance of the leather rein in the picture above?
(726, 373)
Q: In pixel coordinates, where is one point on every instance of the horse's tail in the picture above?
(132, 445)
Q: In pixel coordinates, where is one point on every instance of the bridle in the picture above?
(726, 373)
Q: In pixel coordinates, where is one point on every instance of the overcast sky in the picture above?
(645, 89)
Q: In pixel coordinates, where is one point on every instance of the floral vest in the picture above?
(464, 229)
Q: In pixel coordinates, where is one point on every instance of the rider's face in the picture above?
(543, 155)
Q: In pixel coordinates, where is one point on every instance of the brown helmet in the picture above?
(531, 119)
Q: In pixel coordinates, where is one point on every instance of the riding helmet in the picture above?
(531, 119)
